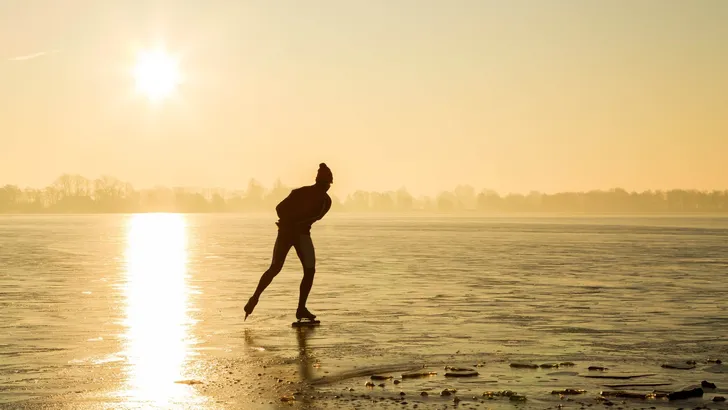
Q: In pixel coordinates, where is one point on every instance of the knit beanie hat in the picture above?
(324, 174)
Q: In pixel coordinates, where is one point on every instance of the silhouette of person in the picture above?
(296, 213)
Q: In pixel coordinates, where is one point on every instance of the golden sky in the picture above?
(511, 95)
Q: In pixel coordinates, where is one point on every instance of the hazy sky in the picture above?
(513, 95)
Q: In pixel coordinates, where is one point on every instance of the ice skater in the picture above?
(296, 214)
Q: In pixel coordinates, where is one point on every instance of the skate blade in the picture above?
(305, 322)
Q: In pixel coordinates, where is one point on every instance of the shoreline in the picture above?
(265, 381)
(532, 385)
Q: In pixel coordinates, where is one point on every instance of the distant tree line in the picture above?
(76, 194)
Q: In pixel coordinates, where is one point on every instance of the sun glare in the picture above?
(156, 74)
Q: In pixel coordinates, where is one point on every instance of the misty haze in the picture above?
(76, 194)
(474, 204)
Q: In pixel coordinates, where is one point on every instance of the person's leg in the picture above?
(280, 251)
(307, 255)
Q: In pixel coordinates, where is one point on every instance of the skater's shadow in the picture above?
(305, 358)
(305, 364)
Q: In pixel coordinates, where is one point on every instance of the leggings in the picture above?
(306, 253)
(303, 245)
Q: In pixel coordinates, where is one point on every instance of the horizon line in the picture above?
(270, 187)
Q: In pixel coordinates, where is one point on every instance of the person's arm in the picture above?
(287, 207)
(318, 213)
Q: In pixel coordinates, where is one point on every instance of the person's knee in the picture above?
(309, 272)
(274, 269)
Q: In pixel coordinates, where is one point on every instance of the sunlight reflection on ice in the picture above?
(157, 337)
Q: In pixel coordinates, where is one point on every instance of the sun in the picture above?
(156, 74)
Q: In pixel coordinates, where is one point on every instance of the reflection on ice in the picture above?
(157, 336)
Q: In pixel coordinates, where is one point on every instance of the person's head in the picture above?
(324, 177)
